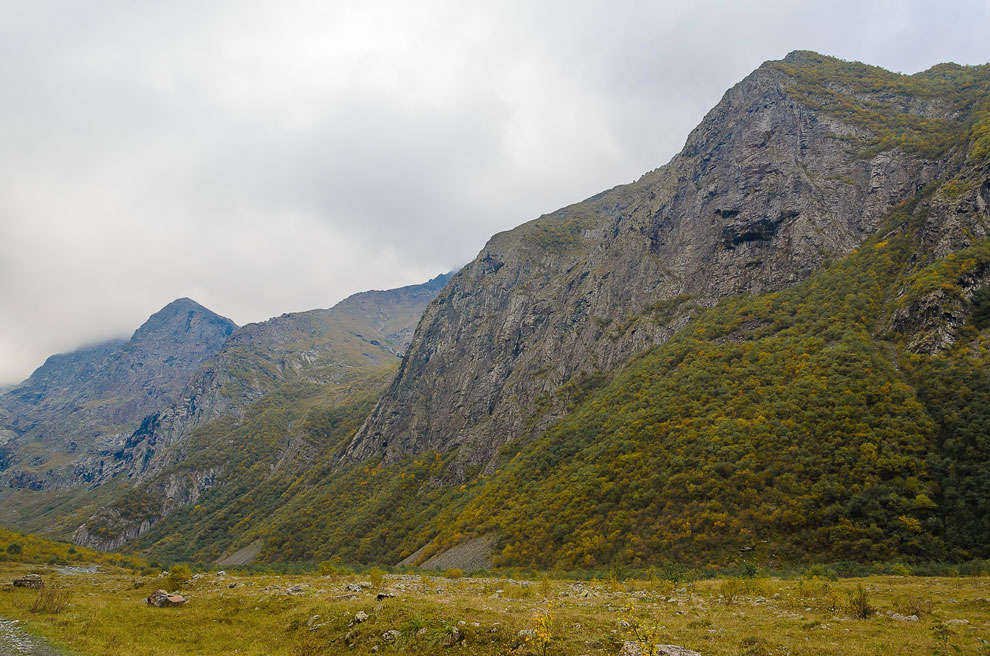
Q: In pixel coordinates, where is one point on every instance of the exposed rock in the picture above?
(163, 599)
(391, 635)
(901, 618)
(29, 581)
(360, 616)
(631, 648)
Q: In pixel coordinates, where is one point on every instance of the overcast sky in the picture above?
(266, 157)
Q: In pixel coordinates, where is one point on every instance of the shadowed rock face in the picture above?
(80, 403)
(765, 190)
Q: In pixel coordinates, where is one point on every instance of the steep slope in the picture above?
(709, 444)
(793, 168)
(82, 403)
(778, 425)
(267, 378)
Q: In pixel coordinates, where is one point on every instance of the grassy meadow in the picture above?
(104, 613)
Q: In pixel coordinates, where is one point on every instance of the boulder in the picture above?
(162, 599)
(633, 648)
(29, 581)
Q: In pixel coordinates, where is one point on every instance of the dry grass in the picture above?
(810, 617)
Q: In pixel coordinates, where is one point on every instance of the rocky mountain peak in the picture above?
(185, 319)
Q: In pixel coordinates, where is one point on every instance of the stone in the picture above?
(385, 594)
(453, 637)
(391, 635)
(360, 616)
(162, 599)
(221, 573)
(633, 648)
(901, 618)
(233, 585)
(345, 597)
(29, 581)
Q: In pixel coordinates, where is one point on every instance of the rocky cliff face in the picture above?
(82, 403)
(778, 178)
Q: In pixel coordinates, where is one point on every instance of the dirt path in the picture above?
(14, 641)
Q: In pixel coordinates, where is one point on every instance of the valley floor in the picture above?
(309, 615)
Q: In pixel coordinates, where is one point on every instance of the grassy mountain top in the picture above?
(928, 113)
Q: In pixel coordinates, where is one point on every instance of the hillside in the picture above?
(644, 377)
(81, 404)
(256, 413)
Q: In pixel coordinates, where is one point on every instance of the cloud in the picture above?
(264, 157)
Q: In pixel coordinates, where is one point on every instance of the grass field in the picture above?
(104, 613)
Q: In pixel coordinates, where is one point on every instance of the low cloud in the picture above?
(265, 157)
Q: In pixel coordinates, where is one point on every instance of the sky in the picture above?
(268, 157)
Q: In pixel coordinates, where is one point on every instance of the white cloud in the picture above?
(264, 157)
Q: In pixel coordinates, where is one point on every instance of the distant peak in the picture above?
(185, 303)
(178, 314)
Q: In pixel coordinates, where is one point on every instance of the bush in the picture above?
(454, 573)
(858, 603)
(50, 600)
(178, 575)
(377, 577)
(14, 548)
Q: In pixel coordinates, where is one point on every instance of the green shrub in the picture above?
(377, 577)
(858, 603)
(178, 575)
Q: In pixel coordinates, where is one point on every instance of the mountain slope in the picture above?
(793, 168)
(255, 397)
(81, 403)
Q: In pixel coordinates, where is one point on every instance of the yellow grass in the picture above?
(106, 615)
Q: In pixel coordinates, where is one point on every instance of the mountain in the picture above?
(79, 404)
(299, 362)
(750, 348)
(792, 169)
(774, 347)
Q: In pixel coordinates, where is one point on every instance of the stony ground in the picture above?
(409, 614)
(14, 641)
